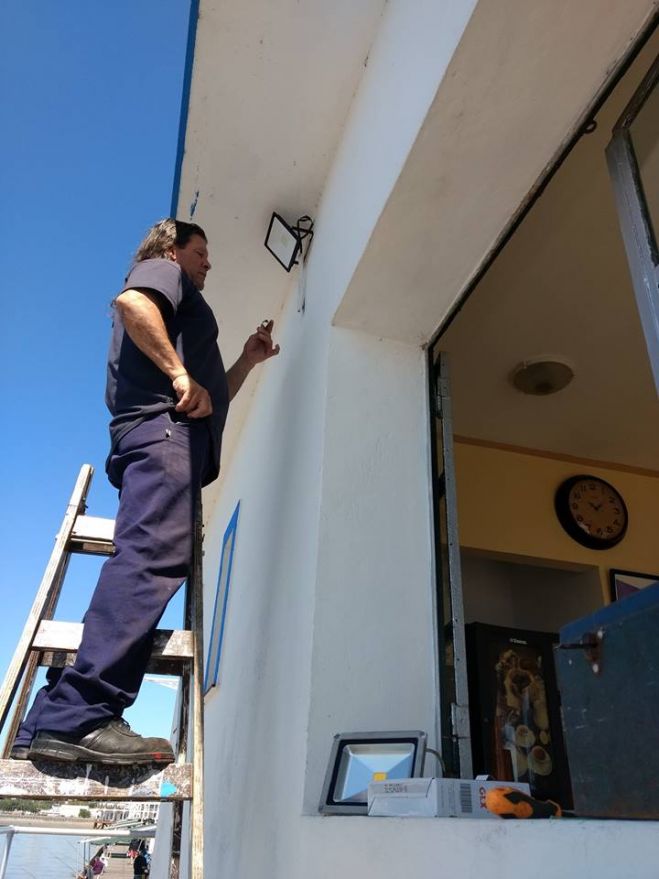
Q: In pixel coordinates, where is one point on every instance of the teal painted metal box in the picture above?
(608, 675)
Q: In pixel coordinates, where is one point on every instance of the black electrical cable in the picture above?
(304, 231)
(439, 759)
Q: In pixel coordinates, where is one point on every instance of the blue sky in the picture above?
(91, 105)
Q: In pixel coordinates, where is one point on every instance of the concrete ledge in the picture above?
(336, 846)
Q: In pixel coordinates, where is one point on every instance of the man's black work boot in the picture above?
(112, 744)
(19, 752)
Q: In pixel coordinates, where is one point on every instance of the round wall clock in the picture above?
(591, 511)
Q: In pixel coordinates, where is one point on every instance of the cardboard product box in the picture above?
(433, 797)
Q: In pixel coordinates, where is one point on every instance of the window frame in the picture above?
(218, 625)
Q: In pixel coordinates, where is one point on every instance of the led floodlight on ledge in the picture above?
(285, 242)
(360, 758)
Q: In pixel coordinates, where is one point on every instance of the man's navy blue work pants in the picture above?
(159, 465)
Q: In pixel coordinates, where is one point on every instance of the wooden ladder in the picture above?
(45, 642)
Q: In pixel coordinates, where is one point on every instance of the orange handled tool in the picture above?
(510, 803)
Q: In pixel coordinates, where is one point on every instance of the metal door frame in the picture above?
(635, 223)
(454, 726)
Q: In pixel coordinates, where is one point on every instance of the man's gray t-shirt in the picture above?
(136, 389)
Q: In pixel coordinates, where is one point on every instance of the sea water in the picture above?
(41, 856)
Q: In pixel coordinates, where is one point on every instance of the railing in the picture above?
(11, 830)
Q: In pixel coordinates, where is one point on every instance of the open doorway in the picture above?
(551, 387)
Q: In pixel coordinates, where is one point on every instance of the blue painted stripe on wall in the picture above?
(185, 101)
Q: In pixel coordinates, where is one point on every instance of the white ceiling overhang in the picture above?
(514, 93)
(272, 84)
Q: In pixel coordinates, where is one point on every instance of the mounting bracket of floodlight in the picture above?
(285, 242)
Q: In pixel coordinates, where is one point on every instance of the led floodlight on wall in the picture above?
(357, 759)
(285, 242)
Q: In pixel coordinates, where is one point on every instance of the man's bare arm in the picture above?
(257, 348)
(237, 374)
(146, 328)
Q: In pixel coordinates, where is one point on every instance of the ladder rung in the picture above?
(93, 535)
(156, 665)
(82, 781)
(57, 639)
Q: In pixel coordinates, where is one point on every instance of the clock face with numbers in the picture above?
(591, 511)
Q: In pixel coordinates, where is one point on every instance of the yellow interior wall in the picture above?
(506, 507)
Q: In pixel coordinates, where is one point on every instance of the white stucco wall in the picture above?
(255, 719)
(300, 623)
(373, 651)
(329, 615)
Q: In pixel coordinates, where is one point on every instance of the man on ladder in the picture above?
(169, 394)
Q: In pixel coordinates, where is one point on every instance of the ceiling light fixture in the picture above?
(285, 242)
(542, 376)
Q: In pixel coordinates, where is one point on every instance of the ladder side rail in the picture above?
(9, 838)
(27, 664)
(48, 592)
(183, 729)
(175, 849)
(29, 676)
(181, 745)
(181, 741)
(197, 598)
(46, 642)
(181, 751)
(22, 700)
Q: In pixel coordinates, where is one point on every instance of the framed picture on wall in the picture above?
(626, 583)
(212, 675)
(515, 709)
